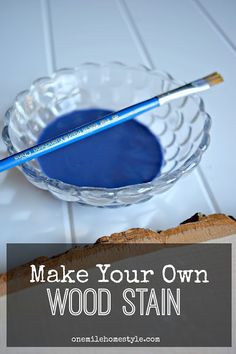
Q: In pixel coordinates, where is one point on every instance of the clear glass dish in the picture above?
(182, 126)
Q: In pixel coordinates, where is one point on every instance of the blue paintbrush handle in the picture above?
(80, 133)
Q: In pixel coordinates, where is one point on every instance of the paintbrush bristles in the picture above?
(214, 79)
(191, 88)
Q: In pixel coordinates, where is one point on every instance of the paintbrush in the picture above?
(109, 121)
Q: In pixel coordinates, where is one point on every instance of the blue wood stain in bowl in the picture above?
(126, 154)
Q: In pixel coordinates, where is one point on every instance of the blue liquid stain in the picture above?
(126, 154)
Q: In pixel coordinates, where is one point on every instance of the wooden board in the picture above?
(197, 229)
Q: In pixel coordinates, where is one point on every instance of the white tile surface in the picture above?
(26, 214)
(83, 32)
(222, 14)
(180, 39)
(132, 32)
(22, 48)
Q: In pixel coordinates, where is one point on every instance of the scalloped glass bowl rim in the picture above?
(167, 178)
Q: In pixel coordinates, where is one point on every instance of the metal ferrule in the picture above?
(186, 90)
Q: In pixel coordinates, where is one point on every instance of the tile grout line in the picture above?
(70, 229)
(126, 14)
(207, 189)
(219, 30)
(51, 66)
(48, 36)
(138, 40)
(215, 25)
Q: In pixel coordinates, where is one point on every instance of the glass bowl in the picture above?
(182, 126)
